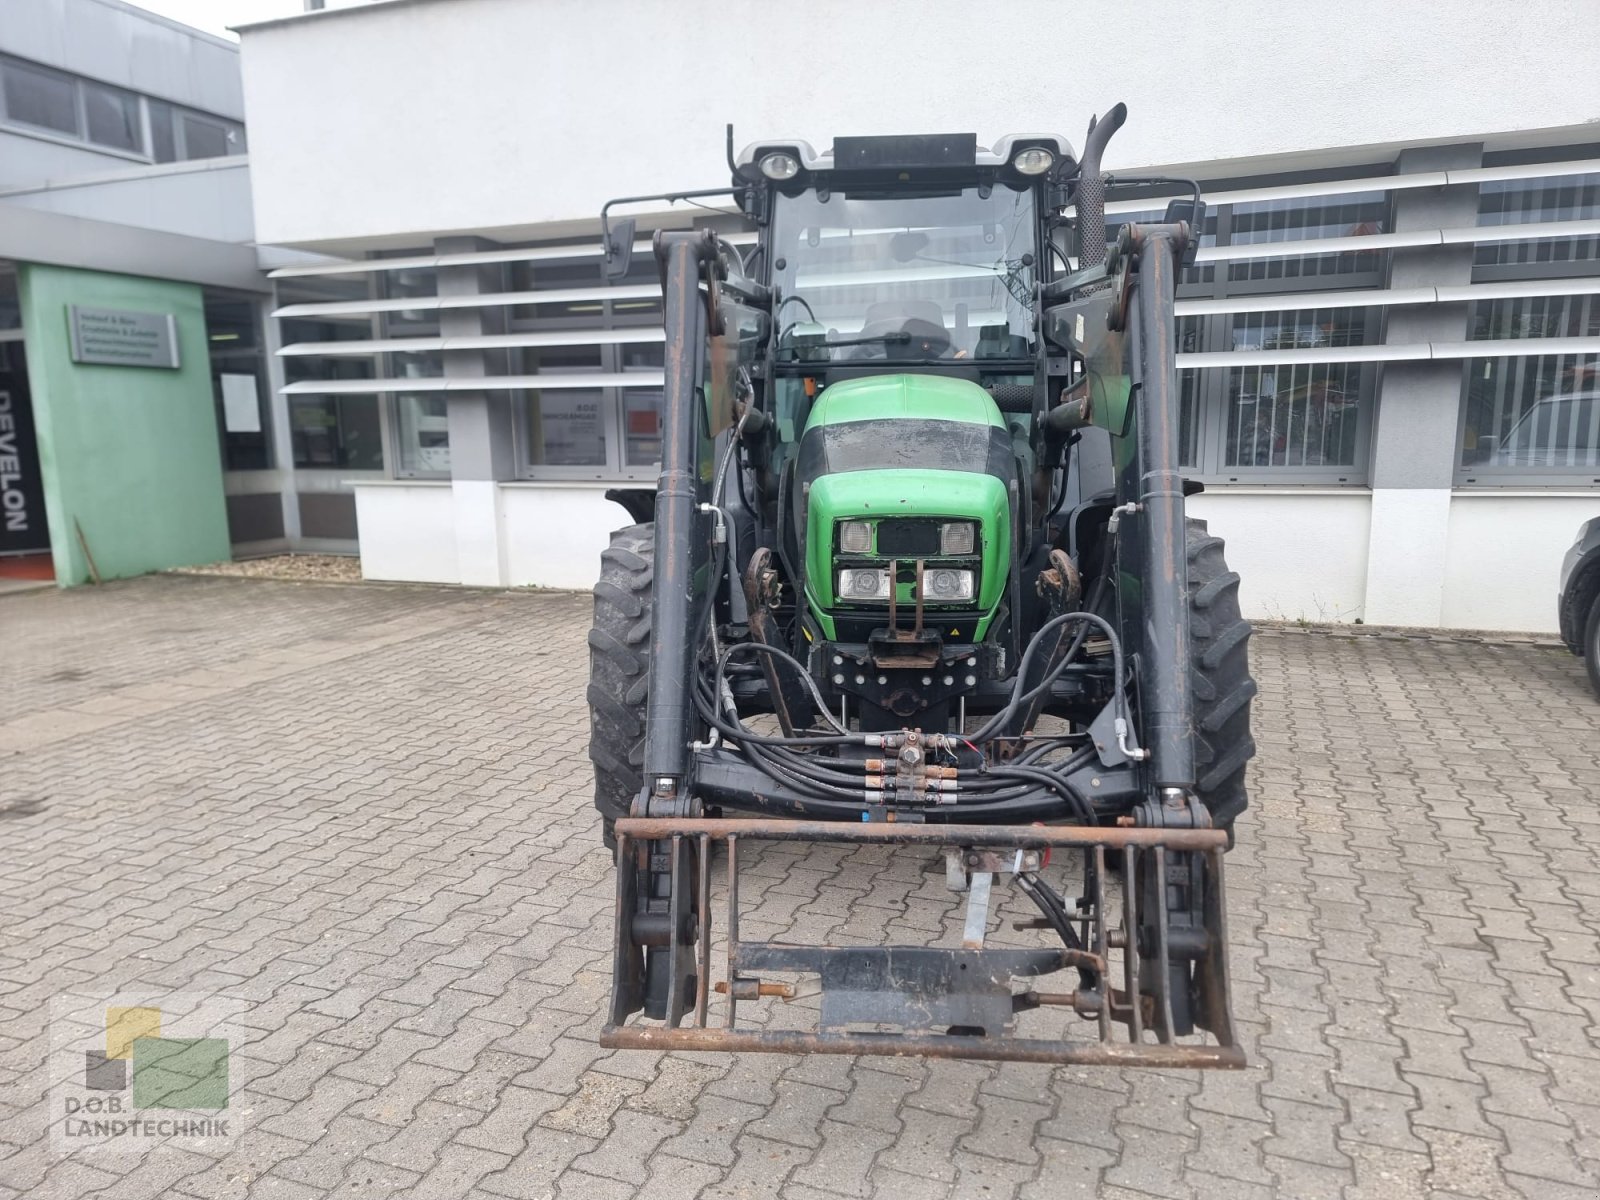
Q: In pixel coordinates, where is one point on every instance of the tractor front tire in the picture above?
(619, 671)
(1223, 687)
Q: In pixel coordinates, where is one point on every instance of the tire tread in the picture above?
(1223, 687)
(619, 669)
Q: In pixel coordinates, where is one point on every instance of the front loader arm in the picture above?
(680, 553)
(1153, 483)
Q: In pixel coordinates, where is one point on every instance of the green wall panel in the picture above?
(128, 453)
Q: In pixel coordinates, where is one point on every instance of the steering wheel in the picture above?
(928, 339)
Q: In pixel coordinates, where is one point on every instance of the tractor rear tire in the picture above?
(1223, 687)
(619, 671)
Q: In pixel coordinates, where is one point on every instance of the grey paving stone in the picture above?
(326, 805)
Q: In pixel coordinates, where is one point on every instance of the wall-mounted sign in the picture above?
(22, 521)
(241, 410)
(119, 338)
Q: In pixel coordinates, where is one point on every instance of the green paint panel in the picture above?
(908, 493)
(926, 397)
(129, 454)
(180, 1073)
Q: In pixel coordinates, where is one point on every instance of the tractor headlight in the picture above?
(941, 585)
(855, 537)
(957, 537)
(779, 166)
(864, 584)
(1034, 160)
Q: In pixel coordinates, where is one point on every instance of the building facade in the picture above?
(131, 296)
(1389, 343)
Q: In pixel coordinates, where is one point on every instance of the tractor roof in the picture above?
(910, 150)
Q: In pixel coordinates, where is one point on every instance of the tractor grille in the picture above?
(907, 537)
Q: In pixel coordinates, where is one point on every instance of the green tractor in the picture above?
(917, 573)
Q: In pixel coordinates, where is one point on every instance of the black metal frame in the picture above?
(877, 984)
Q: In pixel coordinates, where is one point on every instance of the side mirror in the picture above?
(618, 250)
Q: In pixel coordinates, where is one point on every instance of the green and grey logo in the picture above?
(141, 1070)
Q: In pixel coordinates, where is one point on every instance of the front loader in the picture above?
(917, 575)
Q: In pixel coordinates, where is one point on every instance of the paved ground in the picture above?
(329, 804)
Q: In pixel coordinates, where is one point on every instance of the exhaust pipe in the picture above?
(1090, 197)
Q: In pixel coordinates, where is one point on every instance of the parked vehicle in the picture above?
(1552, 431)
(1580, 599)
(920, 488)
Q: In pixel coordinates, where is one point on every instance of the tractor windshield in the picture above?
(905, 278)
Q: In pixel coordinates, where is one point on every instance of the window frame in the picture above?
(76, 134)
(1213, 396)
(337, 399)
(79, 136)
(614, 397)
(389, 285)
(1479, 475)
(180, 135)
(264, 406)
(1212, 384)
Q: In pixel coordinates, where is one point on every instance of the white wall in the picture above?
(1301, 554)
(551, 534)
(207, 199)
(407, 531)
(26, 160)
(366, 122)
(1503, 557)
(554, 532)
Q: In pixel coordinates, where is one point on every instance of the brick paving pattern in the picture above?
(363, 813)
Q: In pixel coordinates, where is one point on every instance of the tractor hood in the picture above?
(905, 453)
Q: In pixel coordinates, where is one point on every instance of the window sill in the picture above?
(592, 485)
(74, 143)
(1286, 489)
(1504, 491)
(396, 483)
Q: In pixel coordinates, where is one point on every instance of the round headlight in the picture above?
(944, 583)
(866, 583)
(779, 166)
(1035, 160)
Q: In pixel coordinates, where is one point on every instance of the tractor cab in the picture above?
(904, 348)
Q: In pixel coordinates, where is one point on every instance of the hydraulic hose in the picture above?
(999, 721)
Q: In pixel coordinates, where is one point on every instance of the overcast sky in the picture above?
(214, 16)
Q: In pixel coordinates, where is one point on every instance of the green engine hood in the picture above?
(905, 446)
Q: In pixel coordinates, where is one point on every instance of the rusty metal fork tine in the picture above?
(1101, 940)
(622, 974)
(733, 921)
(674, 983)
(1217, 988)
(1130, 949)
(1163, 956)
(702, 991)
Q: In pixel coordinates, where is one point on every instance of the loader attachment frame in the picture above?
(948, 1002)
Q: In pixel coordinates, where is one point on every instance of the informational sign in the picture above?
(574, 431)
(22, 521)
(117, 337)
(241, 411)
